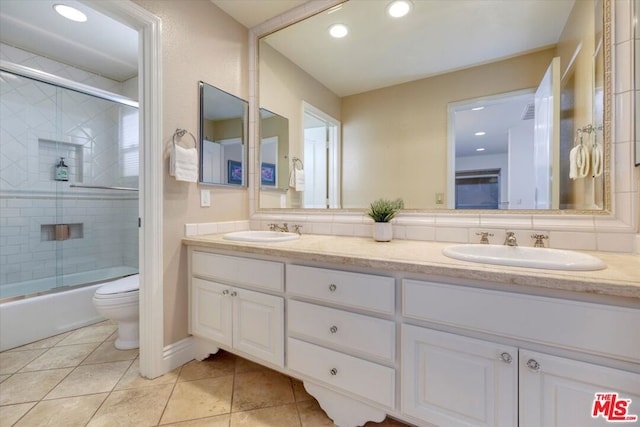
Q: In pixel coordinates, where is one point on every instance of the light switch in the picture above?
(205, 198)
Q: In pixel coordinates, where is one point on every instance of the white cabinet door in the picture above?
(258, 325)
(559, 392)
(211, 311)
(449, 380)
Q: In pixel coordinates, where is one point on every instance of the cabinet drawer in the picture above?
(595, 328)
(358, 376)
(239, 271)
(366, 291)
(349, 331)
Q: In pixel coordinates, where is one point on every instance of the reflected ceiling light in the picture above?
(338, 30)
(399, 8)
(480, 133)
(70, 12)
(480, 149)
(477, 109)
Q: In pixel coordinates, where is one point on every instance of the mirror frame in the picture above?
(617, 216)
(245, 139)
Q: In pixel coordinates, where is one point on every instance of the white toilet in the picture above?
(118, 301)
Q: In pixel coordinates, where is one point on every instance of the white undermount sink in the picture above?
(518, 256)
(260, 236)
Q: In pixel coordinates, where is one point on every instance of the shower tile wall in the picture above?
(33, 137)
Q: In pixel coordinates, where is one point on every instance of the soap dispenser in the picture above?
(62, 171)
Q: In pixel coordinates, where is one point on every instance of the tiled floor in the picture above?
(79, 379)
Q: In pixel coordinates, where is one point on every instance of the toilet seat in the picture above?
(120, 287)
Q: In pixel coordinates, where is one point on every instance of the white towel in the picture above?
(299, 177)
(573, 165)
(578, 162)
(183, 163)
(596, 160)
(296, 179)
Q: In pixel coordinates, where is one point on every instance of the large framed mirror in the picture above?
(416, 97)
(223, 137)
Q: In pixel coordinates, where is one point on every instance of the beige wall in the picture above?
(199, 42)
(283, 87)
(395, 139)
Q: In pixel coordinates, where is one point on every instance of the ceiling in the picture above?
(100, 45)
(253, 12)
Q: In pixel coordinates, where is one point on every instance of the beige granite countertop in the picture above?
(621, 278)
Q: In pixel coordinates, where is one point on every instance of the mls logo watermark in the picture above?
(612, 408)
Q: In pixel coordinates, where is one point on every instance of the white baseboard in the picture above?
(177, 354)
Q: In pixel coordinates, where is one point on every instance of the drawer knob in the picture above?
(333, 329)
(506, 357)
(533, 365)
(234, 294)
(333, 371)
(332, 287)
(225, 292)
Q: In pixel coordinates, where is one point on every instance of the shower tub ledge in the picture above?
(35, 318)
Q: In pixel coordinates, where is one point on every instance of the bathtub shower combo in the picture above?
(68, 201)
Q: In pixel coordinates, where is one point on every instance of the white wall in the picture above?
(40, 123)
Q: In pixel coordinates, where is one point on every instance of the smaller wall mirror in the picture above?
(223, 137)
(274, 157)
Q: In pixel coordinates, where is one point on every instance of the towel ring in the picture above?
(297, 162)
(182, 132)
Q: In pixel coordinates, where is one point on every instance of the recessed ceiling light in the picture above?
(480, 149)
(70, 12)
(477, 109)
(338, 30)
(399, 8)
(480, 133)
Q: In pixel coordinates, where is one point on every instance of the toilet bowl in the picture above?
(118, 301)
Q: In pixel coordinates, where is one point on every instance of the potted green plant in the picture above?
(382, 211)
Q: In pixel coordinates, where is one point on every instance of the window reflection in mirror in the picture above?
(395, 134)
(223, 137)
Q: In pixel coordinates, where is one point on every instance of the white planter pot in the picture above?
(382, 231)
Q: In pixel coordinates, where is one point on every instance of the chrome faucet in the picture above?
(510, 239)
(539, 240)
(296, 229)
(275, 227)
(484, 237)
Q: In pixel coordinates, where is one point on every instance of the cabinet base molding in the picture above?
(344, 411)
(204, 349)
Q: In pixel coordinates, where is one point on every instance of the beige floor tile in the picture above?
(90, 379)
(13, 361)
(253, 390)
(388, 422)
(217, 421)
(4, 377)
(30, 386)
(217, 365)
(280, 416)
(68, 412)
(107, 352)
(95, 333)
(60, 357)
(133, 379)
(312, 415)
(45, 343)
(135, 407)
(244, 365)
(192, 400)
(12, 413)
(299, 392)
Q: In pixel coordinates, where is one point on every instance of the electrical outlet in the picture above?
(439, 198)
(205, 198)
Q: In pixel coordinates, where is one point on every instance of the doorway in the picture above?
(321, 159)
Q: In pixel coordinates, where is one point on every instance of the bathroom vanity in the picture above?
(397, 328)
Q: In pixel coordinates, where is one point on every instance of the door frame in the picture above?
(151, 305)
